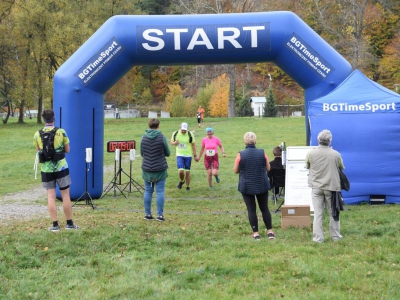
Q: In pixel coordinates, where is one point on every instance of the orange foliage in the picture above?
(219, 100)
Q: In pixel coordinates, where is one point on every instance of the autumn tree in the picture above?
(147, 97)
(174, 92)
(6, 78)
(178, 106)
(220, 98)
(390, 64)
(203, 97)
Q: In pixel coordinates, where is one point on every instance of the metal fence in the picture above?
(290, 110)
(134, 113)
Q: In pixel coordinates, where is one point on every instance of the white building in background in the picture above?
(257, 104)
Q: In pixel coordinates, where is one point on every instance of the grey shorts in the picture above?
(62, 179)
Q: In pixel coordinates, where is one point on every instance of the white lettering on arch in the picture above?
(253, 30)
(177, 36)
(196, 42)
(231, 38)
(160, 42)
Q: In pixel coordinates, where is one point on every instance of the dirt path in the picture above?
(22, 205)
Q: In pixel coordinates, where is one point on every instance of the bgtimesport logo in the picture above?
(368, 107)
(309, 56)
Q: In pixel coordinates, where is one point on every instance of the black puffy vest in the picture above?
(153, 154)
(253, 177)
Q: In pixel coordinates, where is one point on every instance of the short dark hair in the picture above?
(277, 151)
(154, 123)
(48, 115)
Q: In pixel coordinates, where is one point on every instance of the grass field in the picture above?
(204, 250)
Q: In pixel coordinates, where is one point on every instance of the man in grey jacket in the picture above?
(323, 163)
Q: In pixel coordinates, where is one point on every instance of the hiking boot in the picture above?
(54, 228)
(160, 218)
(148, 217)
(73, 226)
(179, 186)
(217, 179)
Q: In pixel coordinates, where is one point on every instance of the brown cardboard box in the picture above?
(295, 216)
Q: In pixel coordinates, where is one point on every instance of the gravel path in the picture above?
(22, 205)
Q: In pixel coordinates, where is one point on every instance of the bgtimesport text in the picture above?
(358, 107)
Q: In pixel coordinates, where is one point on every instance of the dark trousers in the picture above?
(250, 201)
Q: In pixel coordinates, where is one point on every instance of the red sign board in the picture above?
(123, 146)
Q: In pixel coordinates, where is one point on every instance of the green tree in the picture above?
(154, 7)
(244, 108)
(243, 105)
(270, 109)
(178, 107)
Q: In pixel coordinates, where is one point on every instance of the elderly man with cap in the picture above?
(209, 146)
(184, 142)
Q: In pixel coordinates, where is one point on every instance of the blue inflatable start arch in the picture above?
(127, 41)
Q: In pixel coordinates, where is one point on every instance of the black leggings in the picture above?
(250, 201)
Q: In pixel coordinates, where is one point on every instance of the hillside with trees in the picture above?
(37, 36)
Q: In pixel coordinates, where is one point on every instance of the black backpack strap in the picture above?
(190, 137)
(53, 131)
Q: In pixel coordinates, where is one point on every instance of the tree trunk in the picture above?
(40, 91)
(24, 85)
(4, 93)
(21, 112)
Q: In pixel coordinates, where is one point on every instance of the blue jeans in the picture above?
(148, 194)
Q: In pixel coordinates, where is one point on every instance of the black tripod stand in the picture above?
(86, 195)
(279, 207)
(131, 182)
(116, 181)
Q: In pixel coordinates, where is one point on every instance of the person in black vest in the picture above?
(252, 165)
(153, 149)
(276, 163)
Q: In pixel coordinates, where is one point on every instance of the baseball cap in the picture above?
(184, 126)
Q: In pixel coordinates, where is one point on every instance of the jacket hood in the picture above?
(152, 133)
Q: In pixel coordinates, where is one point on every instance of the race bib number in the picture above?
(182, 146)
(210, 152)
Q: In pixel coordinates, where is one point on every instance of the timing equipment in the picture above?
(86, 195)
(116, 182)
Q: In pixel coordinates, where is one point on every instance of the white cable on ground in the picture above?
(36, 164)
